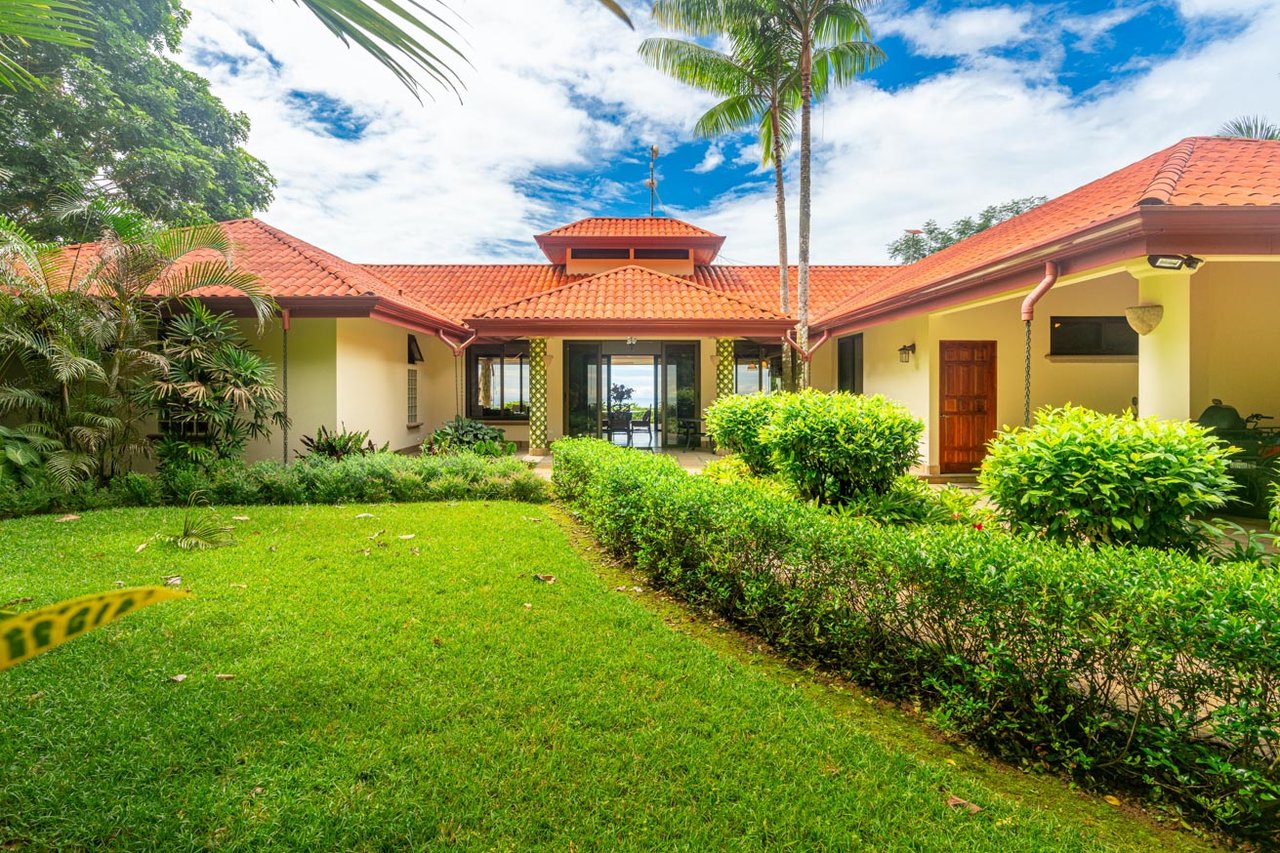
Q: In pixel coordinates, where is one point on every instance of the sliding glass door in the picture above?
(655, 382)
(582, 388)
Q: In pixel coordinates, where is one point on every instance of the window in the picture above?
(661, 254)
(849, 364)
(498, 381)
(415, 351)
(413, 396)
(1091, 336)
(757, 368)
(601, 254)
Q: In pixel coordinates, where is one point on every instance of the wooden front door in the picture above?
(967, 408)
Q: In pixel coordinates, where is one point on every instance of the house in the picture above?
(1155, 287)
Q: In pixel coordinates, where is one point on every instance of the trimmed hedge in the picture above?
(374, 478)
(1120, 666)
(734, 423)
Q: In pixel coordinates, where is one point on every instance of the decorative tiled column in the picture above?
(724, 367)
(537, 395)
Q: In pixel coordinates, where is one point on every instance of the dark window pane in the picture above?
(849, 364)
(1091, 336)
(601, 254)
(662, 254)
(498, 381)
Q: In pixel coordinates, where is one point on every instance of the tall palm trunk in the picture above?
(802, 277)
(780, 195)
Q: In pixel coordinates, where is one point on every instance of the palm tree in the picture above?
(404, 35)
(81, 323)
(760, 82)
(1250, 127)
(830, 43)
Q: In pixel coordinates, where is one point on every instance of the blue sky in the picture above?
(978, 102)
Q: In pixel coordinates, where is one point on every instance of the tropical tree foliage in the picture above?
(25, 21)
(78, 331)
(123, 114)
(1250, 127)
(215, 393)
(932, 237)
(822, 43)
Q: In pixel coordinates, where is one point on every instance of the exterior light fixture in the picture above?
(905, 352)
(1143, 319)
(1174, 262)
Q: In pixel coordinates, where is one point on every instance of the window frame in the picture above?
(1100, 321)
(511, 350)
(411, 394)
(749, 352)
(851, 364)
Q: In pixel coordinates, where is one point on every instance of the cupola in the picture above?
(602, 243)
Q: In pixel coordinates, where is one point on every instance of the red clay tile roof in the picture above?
(1201, 171)
(291, 268)
(631, 292)
(469, 290)
(623, 226)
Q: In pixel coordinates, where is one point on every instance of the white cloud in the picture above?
(711, 161)
(963, 32)
(1222, 8)
(556, 87)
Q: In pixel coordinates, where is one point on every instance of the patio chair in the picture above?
(644, 424)
(619, 422)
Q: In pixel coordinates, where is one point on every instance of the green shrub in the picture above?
(835, 447)
(1275, 508)
(340, 444)
(734, 469)
(356, 478)
(734, 423)
(911, 500)
(1085, 477)
(1128, 667)
(463, 434)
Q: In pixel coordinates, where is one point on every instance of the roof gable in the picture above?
(629, 226)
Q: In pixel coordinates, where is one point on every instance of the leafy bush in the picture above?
(338, 445)
(463, 434)
(734, 469)
(910, 500)
(316, 479)
(734, 423)
(1123, 666)
(835, 447)
(1275, 508)
(23, 452)
(1091, 478)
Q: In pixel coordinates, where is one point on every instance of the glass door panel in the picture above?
(680, 404)
(582, 388)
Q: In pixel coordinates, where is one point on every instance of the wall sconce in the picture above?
(1174, 262)
(1143, 319)
(631, 343)
(905, 353)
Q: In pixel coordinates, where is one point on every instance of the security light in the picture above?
(1173, 262)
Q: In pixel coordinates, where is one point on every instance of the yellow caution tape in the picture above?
(26, 635)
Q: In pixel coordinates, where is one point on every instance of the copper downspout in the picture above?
(806, 355)
(284, 354)
(1029, 314)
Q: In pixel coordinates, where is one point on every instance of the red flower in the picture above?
(977, 525)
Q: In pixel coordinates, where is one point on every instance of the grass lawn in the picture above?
(393, 693)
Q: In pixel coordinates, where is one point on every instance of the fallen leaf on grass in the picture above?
(415, 552)
(172, 580)
(179, 678)
(379, 533)
(1111, 801)
(408, 536)
(637, 589)
(119, 584)
(619, 589)
(365, 515)
(545, 578)
(34, 698)
(240, 585)
(239, 518)
(141, 548)
(957, 803)
(13, 602)
(69, 518)
(528, 606)
(224, 676)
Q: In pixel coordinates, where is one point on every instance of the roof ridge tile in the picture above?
(1165, 182)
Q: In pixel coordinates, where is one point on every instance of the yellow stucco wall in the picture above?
(884, 373)
(372, 381)
(1235, 350)
(312, 380)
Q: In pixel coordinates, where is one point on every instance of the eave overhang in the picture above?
(516, 328)
(1145, 230)
(366, 306)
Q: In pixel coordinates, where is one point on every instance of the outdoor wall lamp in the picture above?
(1174, 262)
(905, 352)
(1143, 319)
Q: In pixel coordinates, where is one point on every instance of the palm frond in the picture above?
(696, 65)
(175, 243)
(840, 64)
(1250, 127)
(730, 115)
(52, 21)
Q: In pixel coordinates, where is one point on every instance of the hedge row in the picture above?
(1121, 666)
(373, 478)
